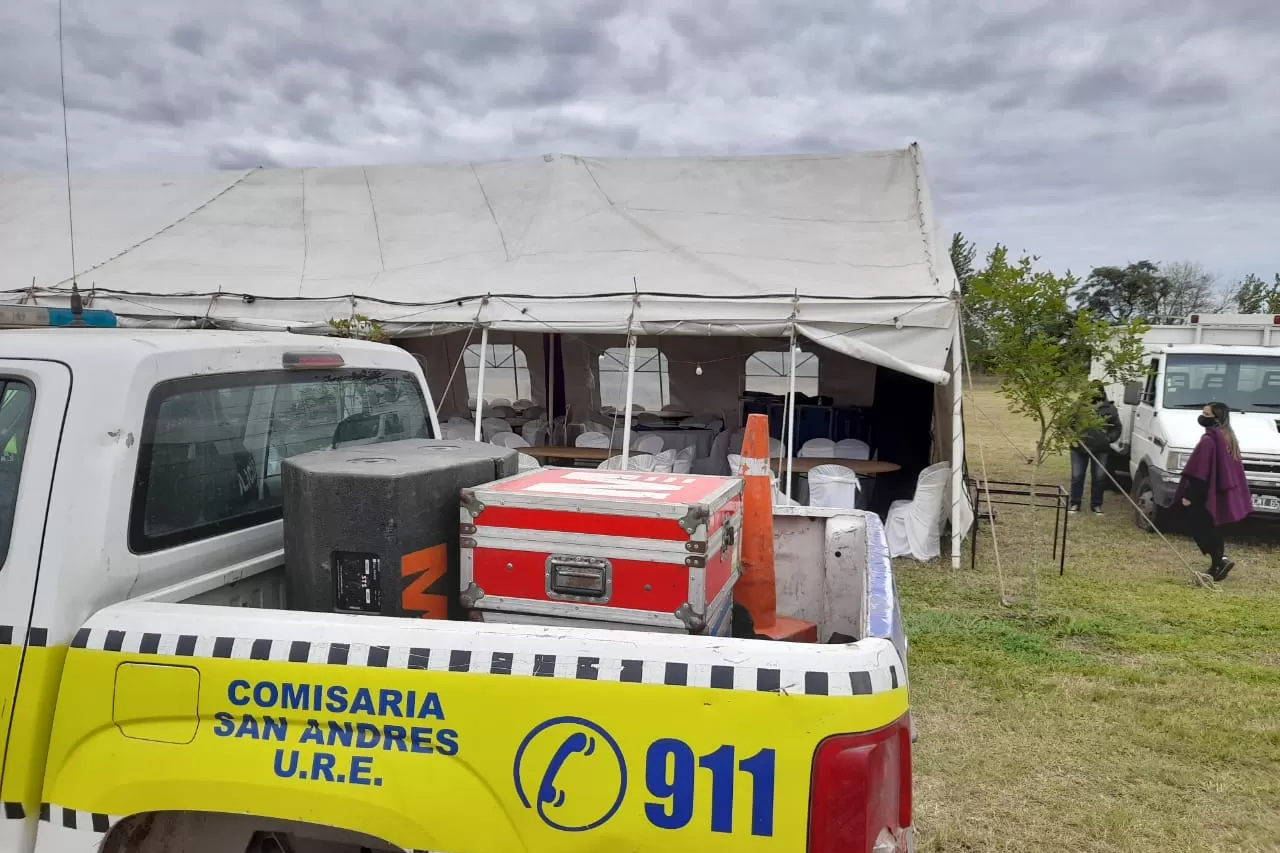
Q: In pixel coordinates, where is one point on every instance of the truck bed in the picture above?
(436, 735)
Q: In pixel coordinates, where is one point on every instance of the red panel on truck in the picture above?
(645, 549)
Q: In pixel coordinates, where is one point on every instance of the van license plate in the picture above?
(1266, 503)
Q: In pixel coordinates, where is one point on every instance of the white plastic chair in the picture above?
(522, 404)
(534, 412)
(852, 448)
(499, 401)
(461, 420)
(735, 464)
(592, 439)
(535, 432)
(527, 462)
(684, 460)
(639, 462)
(560, 431)
(648, 419)
(735, 440)
(777, 450)
(665, 462)
(833, 486)
(457, 432)
(509, 439)
(914, 526)
(717, 462)
(503, 412)
(716, 424)
(649, 444)
(817, 448)
(489, 427)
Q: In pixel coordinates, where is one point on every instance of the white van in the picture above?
(1233, 359)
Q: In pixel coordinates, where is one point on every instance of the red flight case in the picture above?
(559, 546)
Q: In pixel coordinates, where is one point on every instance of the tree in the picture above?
(1124, 294)
(358, 326)
(963, 254)
(1045, 352)
(1255, 296)
(1186, 288)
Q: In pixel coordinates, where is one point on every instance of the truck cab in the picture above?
(1233, 360)
(158, 694)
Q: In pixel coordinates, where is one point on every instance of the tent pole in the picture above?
(791, 411)
(484, 355)
(957, 445)
(551, 385)
(515, 374)
(631, 391)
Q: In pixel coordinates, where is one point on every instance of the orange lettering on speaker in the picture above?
(430, 565)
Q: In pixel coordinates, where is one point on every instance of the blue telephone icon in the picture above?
(548, 793)
(546, 789)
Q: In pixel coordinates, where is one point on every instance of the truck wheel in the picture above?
(1146, 515)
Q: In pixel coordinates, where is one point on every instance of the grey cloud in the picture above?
(1058, 126)
(190, 38)
(1121, 81)
(229, 155)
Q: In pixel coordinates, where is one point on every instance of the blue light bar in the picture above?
(30, 316)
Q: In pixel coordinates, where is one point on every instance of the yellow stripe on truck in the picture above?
(436, 750)
(29, 728)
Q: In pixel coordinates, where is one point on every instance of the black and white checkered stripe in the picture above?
(523, 663)
(89, 823)
(35, 636)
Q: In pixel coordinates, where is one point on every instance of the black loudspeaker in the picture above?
(374, 529)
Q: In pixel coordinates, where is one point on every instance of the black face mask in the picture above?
(1206, 421)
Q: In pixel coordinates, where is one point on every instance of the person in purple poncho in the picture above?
(1213, 490)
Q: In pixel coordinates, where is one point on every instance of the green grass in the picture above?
(1128, 710)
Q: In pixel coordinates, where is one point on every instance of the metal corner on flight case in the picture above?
(696, 623)
(697, 516)
(471, 595)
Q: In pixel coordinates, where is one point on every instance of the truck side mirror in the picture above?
(1133, 393)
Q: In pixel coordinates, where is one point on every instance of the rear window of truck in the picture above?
(209, 460)
(16, 398)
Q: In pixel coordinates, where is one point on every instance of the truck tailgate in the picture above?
(458, 736)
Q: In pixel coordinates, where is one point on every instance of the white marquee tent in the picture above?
(840, 251)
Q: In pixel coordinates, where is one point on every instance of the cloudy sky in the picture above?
(1085, 131)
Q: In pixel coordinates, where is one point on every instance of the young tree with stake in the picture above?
(1043, 350)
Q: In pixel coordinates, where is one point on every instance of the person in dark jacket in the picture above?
(1213, 490)
(1091, 454)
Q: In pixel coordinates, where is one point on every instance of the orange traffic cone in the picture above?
(757, 588)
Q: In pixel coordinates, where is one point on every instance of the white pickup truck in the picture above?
(1233, 359)
(158, 695)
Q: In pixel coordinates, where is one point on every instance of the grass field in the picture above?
(1130, 711)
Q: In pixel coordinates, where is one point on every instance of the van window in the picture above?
(1246, 383)
(16, 398)
(212, 446)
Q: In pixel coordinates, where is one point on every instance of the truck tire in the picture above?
(1146, 513)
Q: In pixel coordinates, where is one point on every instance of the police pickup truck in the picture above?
(156, 693)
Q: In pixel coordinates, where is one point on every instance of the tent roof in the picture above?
(709, 244)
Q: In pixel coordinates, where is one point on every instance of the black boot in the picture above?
(1223, 569)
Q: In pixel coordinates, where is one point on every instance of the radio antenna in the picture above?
(77, 306)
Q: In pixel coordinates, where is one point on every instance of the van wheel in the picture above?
(1146, 515)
